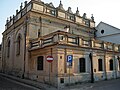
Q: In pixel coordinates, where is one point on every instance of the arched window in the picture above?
(8, 49)
(82, 65)
(18, 44)
(100, 65)
(111, 64)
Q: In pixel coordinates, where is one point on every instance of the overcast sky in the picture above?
(102, 10)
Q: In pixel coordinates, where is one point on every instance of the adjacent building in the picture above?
(39, 30)
(108, 33)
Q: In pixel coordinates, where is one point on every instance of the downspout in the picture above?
(92, 74)
(23, 76)
(2, 51)
(91, 59)
(115, 65)
(105, 66)
(3, 55)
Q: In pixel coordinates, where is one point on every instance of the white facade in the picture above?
(106, 32)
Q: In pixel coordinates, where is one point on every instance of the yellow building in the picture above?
(40, 30)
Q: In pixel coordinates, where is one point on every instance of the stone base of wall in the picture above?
(99, 76)
(61, 81)
(44, 79)
(111, 75)
(73, 79)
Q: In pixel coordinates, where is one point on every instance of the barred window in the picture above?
(82, 65)
(40, 63)
(100, 65)
(8, 49)
(111, 64)
(18, 45)
(119, 64)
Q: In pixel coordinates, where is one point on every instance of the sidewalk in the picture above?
(41, 86)
(36, 84)
(98, 85)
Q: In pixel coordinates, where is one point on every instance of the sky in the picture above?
(103, 10)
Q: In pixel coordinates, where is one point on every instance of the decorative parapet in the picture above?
(49, 9)
(64, 38)
(98, 44)
(108, 46)
(19, 14)
(86, 43)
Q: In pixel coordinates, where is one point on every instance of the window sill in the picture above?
(80, 73)
(110, 71)
(99, 72)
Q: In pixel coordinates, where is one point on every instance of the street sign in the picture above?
(49, 59)
(69, 58)
(69, 63)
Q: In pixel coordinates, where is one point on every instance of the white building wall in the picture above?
(108, 29)
(110, 34)
(111, 38)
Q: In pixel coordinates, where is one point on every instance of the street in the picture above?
(7, 84)
(107, 85)
(100, 85)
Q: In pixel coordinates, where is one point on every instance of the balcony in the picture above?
(64, 38)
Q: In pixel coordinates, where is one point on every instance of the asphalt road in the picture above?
(100, 85)
(8, 84)
(106, 85)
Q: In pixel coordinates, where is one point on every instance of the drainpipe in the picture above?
(92, 74)
(105, 66)
(115, 66)
(23, 76)
(91, 59)
(118, 61)
(2, 51)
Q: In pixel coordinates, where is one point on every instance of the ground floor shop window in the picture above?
(40, 63)
(82, 66)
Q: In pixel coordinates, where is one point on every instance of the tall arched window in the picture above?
(8, 49)
(111, 64)
(18, 44)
